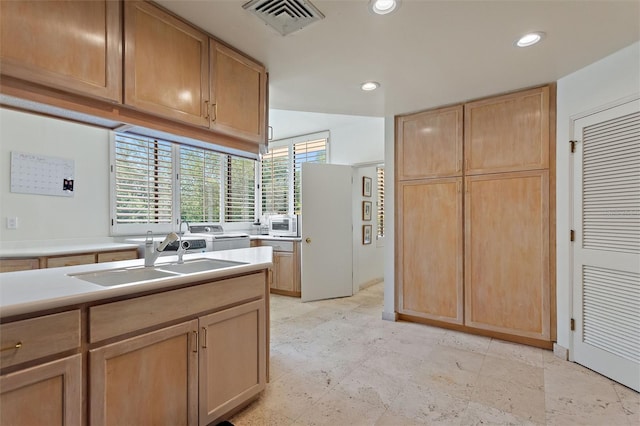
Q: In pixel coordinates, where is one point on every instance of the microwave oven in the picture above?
(284, 226)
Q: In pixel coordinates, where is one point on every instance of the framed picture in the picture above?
(366, 210)
(366, 234)
(366, 186)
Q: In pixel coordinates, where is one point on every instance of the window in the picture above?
(143, 182)
(200, 184)
(380, 203)
(213, 187)
(281, 171)
(275, 180)
(240, 194)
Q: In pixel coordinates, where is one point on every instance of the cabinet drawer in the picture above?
(10, 265)
(114, 256)
(78, 259)
(39, 337)
(279, 245)
(126, 316)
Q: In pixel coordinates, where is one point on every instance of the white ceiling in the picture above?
(427, 54)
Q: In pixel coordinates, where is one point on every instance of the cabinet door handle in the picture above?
(12, 348)
(204, 337)
(206, 109)
(194, 343)
(215, 112)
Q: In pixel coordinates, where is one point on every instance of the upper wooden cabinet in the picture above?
(166, 65)
(430, 144)
(238, 94)
(507, 133)
(70, 45)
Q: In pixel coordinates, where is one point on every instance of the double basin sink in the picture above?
(135, 274)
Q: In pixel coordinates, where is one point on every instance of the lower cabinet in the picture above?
(286, 267)
(47, 394)
(147, 379)
(232, 359)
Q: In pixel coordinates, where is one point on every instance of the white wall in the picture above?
(41, 217)
(354, 139)
(606, 81)
(388, 311)
(368, 259)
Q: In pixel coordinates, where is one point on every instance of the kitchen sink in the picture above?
(113, 277)
(136, 274)
(198, 265)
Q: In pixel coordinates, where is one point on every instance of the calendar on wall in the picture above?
(40, 174)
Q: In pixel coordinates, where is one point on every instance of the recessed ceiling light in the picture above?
(383, 7)
(530, 39)
(369, 86)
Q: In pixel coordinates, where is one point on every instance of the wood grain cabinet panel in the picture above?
(232, 359)
(148, 379)
(70, 45)
(238, 94)
(47, 394)
(11, 265)
(430, 249)
(166, 68)
(507, 133)
(430, 144)
(70, 260)
(507, 253)
(113, 256)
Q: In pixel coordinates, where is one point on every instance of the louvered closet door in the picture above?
(606, 271)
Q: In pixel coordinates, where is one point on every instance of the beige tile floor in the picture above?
(336, 362)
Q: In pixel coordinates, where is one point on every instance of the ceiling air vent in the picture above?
(285, 16)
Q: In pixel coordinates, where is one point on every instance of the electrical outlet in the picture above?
(12, 223)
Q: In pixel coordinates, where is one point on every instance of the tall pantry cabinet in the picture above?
(474, 202)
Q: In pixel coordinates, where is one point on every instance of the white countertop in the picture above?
(271, 237)
(60, 247)
(39, 289)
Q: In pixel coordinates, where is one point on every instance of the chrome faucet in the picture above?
(151, 251)
(182, 248)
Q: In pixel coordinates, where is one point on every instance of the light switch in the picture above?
(12, 223)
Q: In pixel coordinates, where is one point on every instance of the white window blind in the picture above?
(313, 151)
(275, 180)
(143, 181)
(380, 206)
(200, 184)
(240, 189)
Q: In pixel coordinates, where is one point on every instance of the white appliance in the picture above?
(283, 225)
(192, 244)
(218, 239)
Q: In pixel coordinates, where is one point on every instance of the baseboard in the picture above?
(370, 283)
(561, 352)
(390, 316)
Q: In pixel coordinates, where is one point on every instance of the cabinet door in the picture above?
(166, 65)
(148, 379)
(232, 359)
(430, 246)
(71, 260)
(70, 45)
(507, 133)
(284, 271)
(429, 144)
(47, 394)
(114, 256)
(238, 94)
(507, 253)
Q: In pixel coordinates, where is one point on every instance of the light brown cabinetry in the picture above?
(70, 260)
(232, 359)
(70, 45)
(430, 251)
(166, 64)
(11, 265)
(486, 224)
(286, 267)
(147, 379)
(47, 394)
(238, 94)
